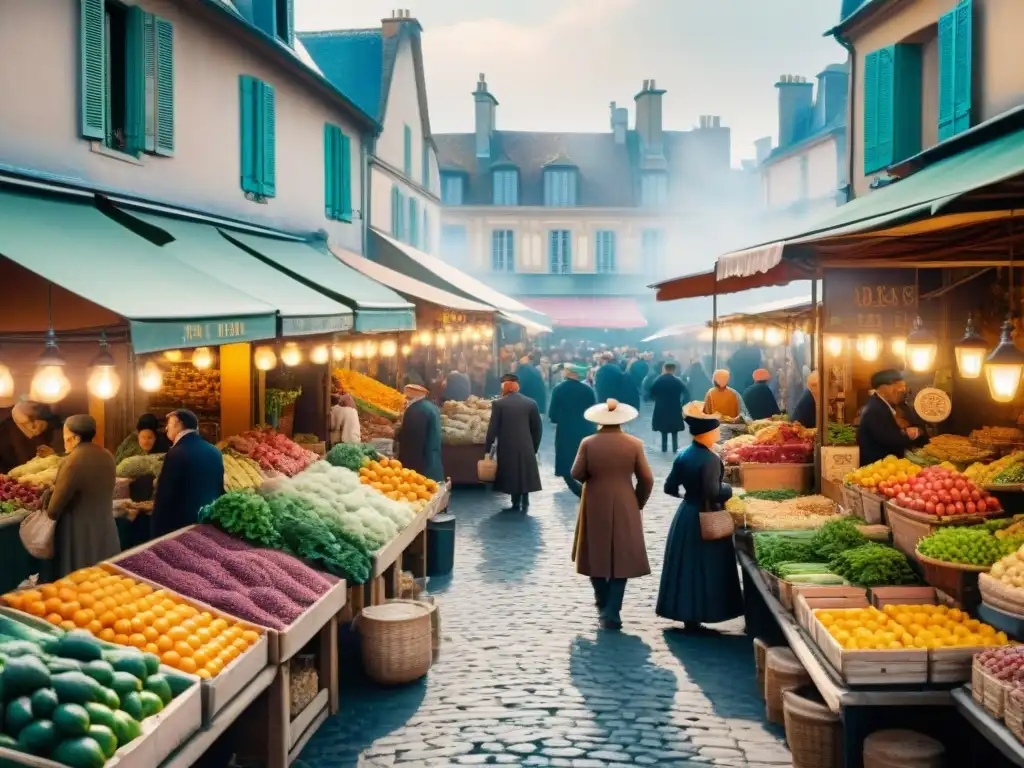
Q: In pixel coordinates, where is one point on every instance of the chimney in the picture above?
(796, 100)
(648, 118)
(392, 26)
(847, 8)
(620, 122)
(486, 114)
(833, 87)
(762, 148)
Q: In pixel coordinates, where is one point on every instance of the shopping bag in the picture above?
(36, 532)
(487, 467)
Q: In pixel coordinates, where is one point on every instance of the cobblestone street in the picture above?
(526, 677)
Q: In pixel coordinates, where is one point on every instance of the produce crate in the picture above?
(872, 507)
(789, 592)
(805, 606)
(883, 596)
(760, 477)
(903, 667)
(853, 501)
(909, 527)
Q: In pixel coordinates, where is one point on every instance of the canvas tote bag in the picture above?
(36, 531)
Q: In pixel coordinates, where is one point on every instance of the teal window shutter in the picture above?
(345, 170)
(425, 164)
(396, 213)
(892, 105)
(407, 158)
(330, 171)
(288, 33)
(247, 92)
(92, 33)
(886, 109)
(401, 217)
(164, 86)
(149, 46)
(947, 74)
(268, 140)
(414, 222)
(963, 66)
(427, 244)
(135, 81)
(871, 112)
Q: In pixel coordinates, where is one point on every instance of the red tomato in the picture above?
(971, 508)
(929, 507)
(982, 506)
(940, 509)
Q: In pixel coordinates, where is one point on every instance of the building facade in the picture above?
(382, 71)
(924, 71)
(804, 175)
(547, 216)
(209, 106)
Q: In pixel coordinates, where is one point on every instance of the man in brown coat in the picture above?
(609, 546)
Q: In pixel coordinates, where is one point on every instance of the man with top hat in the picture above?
(759, 398)
(609, 544)
(419, 439)
(569, 402)
(516, 427)
(879, 433)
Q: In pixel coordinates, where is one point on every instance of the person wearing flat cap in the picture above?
(191, 478)
(669, 394)
(517, 429)
(419, 438)
(879, 433)
(759, 398)
(609, 544)
(699, 580)
(82, 501)
(569, 402)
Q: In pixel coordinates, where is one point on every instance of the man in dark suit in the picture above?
(669, 395)
(516, 426)
(879, 433)
(191, 478)
(531, 382)
(419, 439)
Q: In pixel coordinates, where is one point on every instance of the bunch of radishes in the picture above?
(20, 495)
(939, 491)
(1005, 663)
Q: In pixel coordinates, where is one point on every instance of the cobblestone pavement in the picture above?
(526, 677)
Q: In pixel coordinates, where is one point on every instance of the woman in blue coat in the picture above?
(569, 401)
(699, 580)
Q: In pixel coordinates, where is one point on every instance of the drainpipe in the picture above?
(850, 95)
(365, 150)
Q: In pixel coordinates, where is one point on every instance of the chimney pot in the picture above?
(652, 85)
(718, 122)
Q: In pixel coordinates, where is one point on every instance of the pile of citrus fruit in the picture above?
(889, 468)
(396, 482)
(897, 627)
(127, 612)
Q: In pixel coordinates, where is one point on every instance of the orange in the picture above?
(240, 644)
(47, 591)
(164, 643)
(62, 583)
(137, 639)
(168, 604)
(194, 642)
(215, 666)
(67, 626)
(87, 586)
(177, 633)
(204, 634)
(151, 648)
(15, 601)
(135, 592)
(187, 611)
(53, 604)
(55, 619)
(69, 609)
(161, 625)
(87, 599)
(121, 639)
(78, 576)
(218, 625)
(201, 658)
(171, 659)
(123, 613)
(145, 589)
(110, 603)
(123, 627)
(94, 627)
(138, 624)
(82, 617)
(150, 634)
(107, 618)
(204, 673)
(183, 649)
(107, 634)
(189, 625)
(250, 636)
(147, 617)
(188, 665)
(158, 610)
(67, 595)
(31, 595)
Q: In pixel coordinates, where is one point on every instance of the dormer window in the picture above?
(452, 188)
(560, 186)
(506, 186)
(276, 18)
(654, 189)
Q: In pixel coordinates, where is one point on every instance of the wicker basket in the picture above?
(1013, 714)
(396, 642)
(716, 525)
(978, 681)
(783, 671)
(427, 601)
(1003, 596)
(902, 749)
(760, 661)
(993, 695)
(813, 732)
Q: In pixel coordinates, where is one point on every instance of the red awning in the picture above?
(589, 311)
(705, 284)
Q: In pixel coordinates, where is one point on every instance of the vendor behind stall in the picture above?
(879, 433)
(806, 409)
(759, 398)
(723, 399)
(457, 387)
(31, 430)
(419, 439)
(147, 438)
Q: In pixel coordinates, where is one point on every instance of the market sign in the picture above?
(309, 326)
(158, 335)
(882, 301)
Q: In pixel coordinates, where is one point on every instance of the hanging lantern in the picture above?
(406, 350)
(834, 344)
(103, 382)
(320, 355)
(774, 337)
(1004, 366)
(264, 358)
(173, 356)
(899, 346)
(337, 353)
(358, 352)
(757, 334)
(441, 341)
(291, 355)
(869, 346)
(488, 332)
(151, 378)
(970, 352)
(6, 383)
(426, 338)
(922, 347)
(371, 349)
(202, 357)
(50, 384)
(388, 348)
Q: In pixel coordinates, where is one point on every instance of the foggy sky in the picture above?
(555, 65)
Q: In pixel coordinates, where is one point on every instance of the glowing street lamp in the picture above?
(970, 352)
(1004, 366)
(869, 345)
(922, 348)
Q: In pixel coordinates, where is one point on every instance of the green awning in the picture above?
(378, 309)
(303, 311)
(167, 303)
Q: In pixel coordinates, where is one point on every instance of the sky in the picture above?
(555, 65)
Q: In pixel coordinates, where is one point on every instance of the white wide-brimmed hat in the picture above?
(610, 413)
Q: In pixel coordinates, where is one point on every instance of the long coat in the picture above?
(608, 382)
(629, 393)
(805, 411)
(457, 387)
(878, 434)
(82, 503)
(191, 478)
(760, 401)
(419, 440)
(516, 425)
(609, 540)
(669, 395)
(531, 385)
(638, 371)
(569, 400)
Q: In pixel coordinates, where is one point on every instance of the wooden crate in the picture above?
(872, 507)
(903, 667)
(951, 665)
(853, 501)
(760, 477)
(805, 607)
(788, 593)
(883, 596)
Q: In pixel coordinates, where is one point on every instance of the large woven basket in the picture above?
(993, 695)
(760, 662)
(1013, 713)
(396, 642)
(427, 601)
(783, 671)
(978, 681)
(902, 749)
(813, 732)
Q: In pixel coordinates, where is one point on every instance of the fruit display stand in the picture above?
(864, 708)
(758, 477)
(909, 527)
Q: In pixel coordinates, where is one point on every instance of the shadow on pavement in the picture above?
(510, 543)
